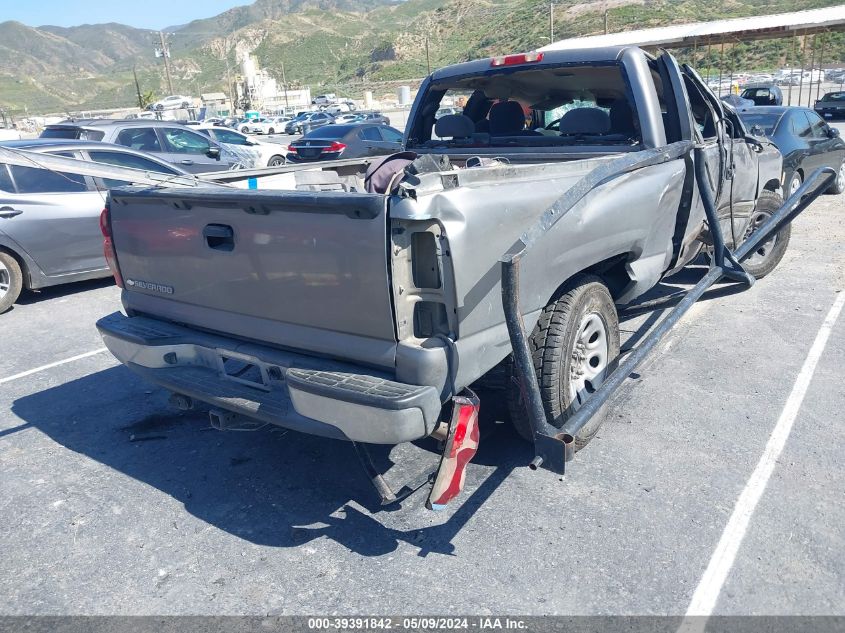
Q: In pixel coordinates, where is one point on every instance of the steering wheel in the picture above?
(554, 125)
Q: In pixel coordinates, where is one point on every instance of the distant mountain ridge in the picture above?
(332, 45)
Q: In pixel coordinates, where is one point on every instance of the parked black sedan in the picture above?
(353, 140)
(831, 106)
(804, 139)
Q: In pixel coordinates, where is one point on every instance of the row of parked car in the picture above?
(830, 106)
(302, 123)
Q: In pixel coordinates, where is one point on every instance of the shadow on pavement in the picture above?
(271, 487)
(54, 292)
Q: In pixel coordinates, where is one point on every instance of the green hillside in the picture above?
(343, 46)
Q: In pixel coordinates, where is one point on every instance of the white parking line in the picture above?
(707, 593)
(29, 372)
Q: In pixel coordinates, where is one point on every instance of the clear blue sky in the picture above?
(148, 14)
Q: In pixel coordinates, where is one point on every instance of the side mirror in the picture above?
(833, 132)
(754, 144)
(213, 152)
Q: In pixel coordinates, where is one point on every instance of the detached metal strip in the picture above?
(258, 172)
(552, 451)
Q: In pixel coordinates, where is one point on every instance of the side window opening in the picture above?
(6, 184)
(36, 180)
(702, 113)
(370, 134)
(144, 139)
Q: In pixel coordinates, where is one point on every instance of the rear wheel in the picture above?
(794, 183)
(11, 281)
(271, 131)
(574, 346)
(768, 254)
(839, 184)
(276, 161)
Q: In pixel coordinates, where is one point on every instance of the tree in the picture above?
(147, 98)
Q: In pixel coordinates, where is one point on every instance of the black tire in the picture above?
(838, 185)
(276, 161)
(553, 345)
(271, 131)
(185, 105)
(244, 130)
(768, 256)
(11, 281)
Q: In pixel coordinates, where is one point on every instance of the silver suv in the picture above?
(172, 142)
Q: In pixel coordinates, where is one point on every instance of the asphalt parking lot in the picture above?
(115, 504)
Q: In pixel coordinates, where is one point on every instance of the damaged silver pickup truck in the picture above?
(360, 300)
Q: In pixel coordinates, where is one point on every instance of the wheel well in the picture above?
(772, 185)
(21, 263)
(613, 271)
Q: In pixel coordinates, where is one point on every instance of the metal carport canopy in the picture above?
(717, 31)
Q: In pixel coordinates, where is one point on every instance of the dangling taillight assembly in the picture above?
(460, 446)
(108, 246)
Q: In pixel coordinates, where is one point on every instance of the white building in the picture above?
(264, 92)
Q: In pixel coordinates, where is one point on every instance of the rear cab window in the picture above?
(562, 105)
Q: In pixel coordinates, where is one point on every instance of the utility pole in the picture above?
(427, 56)
(823, 38)
(551, 22)
(165, 53)
(285, 87)
(606, 17)
(137, 88)
(803, 63)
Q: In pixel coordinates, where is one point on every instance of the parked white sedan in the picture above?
(173, 102)
(252, 152)
(265, 125)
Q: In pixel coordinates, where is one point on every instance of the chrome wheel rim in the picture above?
(794, 184)
(5, 280)
(588, 363)
(764, 249)
(840, 180)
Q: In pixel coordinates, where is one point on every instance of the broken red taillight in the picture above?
(108, 246)
(461, 446)
(518, 58)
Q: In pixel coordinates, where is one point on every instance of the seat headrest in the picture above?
(622, 117)
(454, 126)
(585, 121)
(506, 118)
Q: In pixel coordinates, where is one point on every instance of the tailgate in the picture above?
(300, 269)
